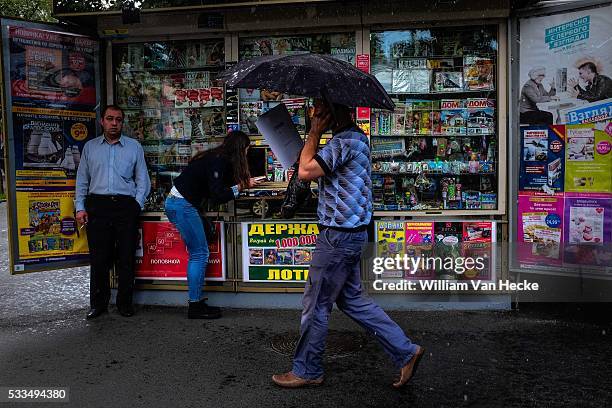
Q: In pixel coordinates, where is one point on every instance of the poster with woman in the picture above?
(565, 66)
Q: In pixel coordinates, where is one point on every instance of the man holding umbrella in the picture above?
(344, 211)
(345, 203)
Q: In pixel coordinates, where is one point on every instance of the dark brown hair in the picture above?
(592, 67)
(113, 107)
(233, 148)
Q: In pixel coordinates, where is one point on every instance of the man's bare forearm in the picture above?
(309, 169)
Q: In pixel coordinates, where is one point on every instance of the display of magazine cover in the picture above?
(199, 97)
(205, 122)
(174, 124)
(410, 81)
(422, 117)
(382, 123)
(249, 112)
(340, 45)
(480, 116)
(135, 57)
(297, 110)
(388, 147)
(133, 124)
(447, 81)
(151, 91)
(398, 120)
(478, 73)
(129, 89)
(453, 120)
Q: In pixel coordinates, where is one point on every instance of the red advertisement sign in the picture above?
(363, 113)
(162, 254)
(363, 62)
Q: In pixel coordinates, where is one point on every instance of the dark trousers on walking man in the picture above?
(334, 277)
(112, 233)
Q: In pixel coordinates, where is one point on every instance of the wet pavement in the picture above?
(535, 357)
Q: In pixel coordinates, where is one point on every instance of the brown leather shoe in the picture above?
(408, 371)
(290, 380)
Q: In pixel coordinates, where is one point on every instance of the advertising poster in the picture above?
(542, 159)
(50, 106)
(419, 232)
(51, 67)
(588, 160)
(391, 241)
(477, 243)
(540, 227)
(277, 252)
(566, 60)
(428, 241)
(589, 113)
(48, 228)
(162, 255)
(588, 218)
(588, 229)
(46, 139)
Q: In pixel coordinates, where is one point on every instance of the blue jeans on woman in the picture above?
(186, 219)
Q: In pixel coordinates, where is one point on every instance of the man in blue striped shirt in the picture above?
(111, 187)
(345, 210)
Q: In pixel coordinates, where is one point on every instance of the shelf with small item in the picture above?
(433, 173)
(435, 135)
(445, 117)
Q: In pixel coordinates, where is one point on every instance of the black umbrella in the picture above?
(312, 75)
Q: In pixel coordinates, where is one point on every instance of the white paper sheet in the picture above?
(280, 133)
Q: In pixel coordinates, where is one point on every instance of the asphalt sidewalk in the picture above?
(534, 357)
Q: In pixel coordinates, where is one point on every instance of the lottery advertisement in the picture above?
(277, 252)
(161, 253)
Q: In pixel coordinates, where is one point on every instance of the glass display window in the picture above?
(173, 103)
(438, 150)
(255, 102)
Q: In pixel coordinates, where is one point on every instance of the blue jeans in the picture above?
(334, 276)
(186, 219)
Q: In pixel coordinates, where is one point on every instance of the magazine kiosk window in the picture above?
(439, 149)
(173, 103)
(265, 200)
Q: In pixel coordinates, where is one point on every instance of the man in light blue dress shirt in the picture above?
(111, 187)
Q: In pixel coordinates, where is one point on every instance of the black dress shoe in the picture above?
(95, 312)
(126, 310)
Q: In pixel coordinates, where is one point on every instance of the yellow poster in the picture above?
(47, 226)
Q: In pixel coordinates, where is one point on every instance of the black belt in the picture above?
(360, 228)
(110, 197)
